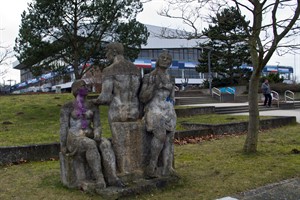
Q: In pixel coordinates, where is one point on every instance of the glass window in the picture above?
(191, 73)
(176, 54)
(176, 73)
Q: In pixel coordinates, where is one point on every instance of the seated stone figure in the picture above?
(157, 93)
(80, 141)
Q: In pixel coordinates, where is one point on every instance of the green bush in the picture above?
(273, 78)
(282, 87)
(222, 82)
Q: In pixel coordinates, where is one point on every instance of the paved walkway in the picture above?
(290, 112)
(284, 190)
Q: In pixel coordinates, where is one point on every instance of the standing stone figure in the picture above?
(157, 94)
(120, 87)
(80, 141)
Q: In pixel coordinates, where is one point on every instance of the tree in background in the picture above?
(56, 34)
(5, 54)
(227, 40)
(273, 78)
(271, 28)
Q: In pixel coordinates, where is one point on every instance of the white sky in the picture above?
(10, 19)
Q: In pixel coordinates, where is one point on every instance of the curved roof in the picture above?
(157, 41)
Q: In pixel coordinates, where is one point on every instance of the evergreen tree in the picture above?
(55, 34)
(227, 40)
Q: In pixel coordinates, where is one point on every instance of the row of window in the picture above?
(177, 54)
(184, 73)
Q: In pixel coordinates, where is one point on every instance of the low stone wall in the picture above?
(227, 97)
(238, 127)
(192, 133)
(186, 112)
(18, 154)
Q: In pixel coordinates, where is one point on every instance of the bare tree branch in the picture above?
(273, 28)
(189, 12)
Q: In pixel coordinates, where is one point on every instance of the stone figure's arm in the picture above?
(97, 124)
(106, 94)
(172, 95)
(147, 90)
(64, 127)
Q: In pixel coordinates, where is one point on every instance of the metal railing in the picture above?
(217, 92)
(230, 90)
(289, 95)
(275, 96)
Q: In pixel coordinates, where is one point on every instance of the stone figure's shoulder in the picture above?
(108, 71)
(131, 65)
(147, 77)
(123, 67)
(128, 68)
(67, 106)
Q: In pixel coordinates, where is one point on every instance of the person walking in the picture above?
(266, 90)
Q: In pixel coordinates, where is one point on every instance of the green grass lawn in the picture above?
(208, 170)
(34, 119)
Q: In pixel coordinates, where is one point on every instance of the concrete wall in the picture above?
(28, 153)
(186, 112)
(236, 127)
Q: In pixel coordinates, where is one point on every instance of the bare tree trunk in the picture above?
(250, 145)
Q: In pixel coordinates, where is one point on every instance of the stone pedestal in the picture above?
(137, 187)
(127, 141)
(74, 170)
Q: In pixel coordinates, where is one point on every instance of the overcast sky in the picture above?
(10, 18)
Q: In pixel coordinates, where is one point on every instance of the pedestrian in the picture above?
(266, 90)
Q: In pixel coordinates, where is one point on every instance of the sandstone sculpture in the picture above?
(158, 94)
(120, 87)
(80, 141)
(142, 120)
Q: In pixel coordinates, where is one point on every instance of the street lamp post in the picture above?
(209, 67)
(10, 80)
(209, 71)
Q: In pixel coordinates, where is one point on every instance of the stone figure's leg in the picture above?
(157, 144)
(168, 153)
(109, 163)
(118, 147)
(79, 168)
(94, 160)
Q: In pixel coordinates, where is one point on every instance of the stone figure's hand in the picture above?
(97, 139)
(63, 150)
(96, 101)
(97, 136)
(152, 80)
(160, 85)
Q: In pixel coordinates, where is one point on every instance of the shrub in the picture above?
(273, 78)
(282, 87)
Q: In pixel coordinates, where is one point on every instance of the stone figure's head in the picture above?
(114, 49)
(164, 60)
(79, 87)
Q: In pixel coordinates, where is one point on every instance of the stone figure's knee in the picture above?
(90, 144)
(105, 144)
(160, 135)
